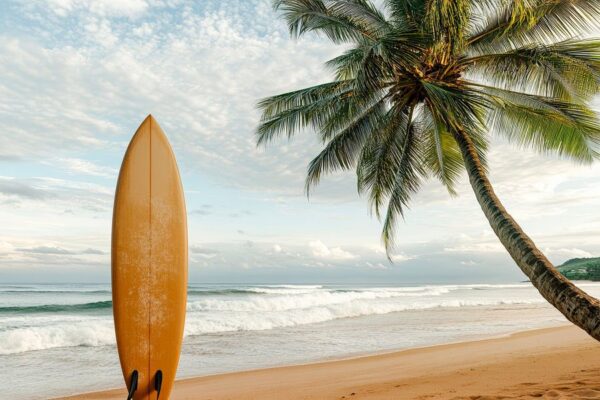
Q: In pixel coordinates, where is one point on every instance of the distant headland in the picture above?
(582, 269)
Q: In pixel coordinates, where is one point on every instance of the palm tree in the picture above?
(423, 83)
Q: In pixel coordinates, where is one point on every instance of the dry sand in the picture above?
(554, 363)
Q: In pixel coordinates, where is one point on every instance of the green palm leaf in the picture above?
(545, 124)
(343, 149)
(327, 17)
(380, 158)
(568, 70)
(442, 155)
(407, 181)
(420, 81)
(523, 22)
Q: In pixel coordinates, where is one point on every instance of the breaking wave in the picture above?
(226, 309)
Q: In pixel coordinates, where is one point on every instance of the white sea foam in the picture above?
(287, 289)
(260, 308)
(227, 309)
(64, 334)
(253, 316)
(231, 327)
(263, 320)
(295, 286)
(307, 300)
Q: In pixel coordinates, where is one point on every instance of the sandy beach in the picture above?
(552, 363)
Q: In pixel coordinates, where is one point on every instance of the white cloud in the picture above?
(486, 243)
(41, 194)
(564, 253)
(476, 248)
(399, 257)
(128, 8)
(203, 252)
(200, 73)
(11, 187)
(396, 256)
(319, 249)
(376, 265)
(76, 86)
(45, 250)
(86, 167)
(29, 252)
(101, 31)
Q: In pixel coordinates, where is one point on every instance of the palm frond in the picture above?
(452, 104)
(325, 17)
(441, 153)
(545, 124)
(363, 13)
(461, 109)
(380, 158)
(421, 74)
(447, 22)
(289, 112)
(523, 22)
(370, 62)
(346, 112)
(271, 106)
(567, 70)
(343, 149)
(407, 12)
(347, 65)
(407, 181)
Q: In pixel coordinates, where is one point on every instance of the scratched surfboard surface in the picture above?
(149, 261)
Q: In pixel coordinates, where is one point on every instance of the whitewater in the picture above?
(236, 327)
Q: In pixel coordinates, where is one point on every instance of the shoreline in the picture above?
(557, 361)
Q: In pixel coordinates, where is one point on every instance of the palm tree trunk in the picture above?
(580, 308)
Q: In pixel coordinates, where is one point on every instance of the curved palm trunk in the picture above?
(579, 307)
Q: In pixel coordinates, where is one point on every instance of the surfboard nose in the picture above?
(150, 130)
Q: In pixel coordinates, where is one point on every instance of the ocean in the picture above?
(58, 339)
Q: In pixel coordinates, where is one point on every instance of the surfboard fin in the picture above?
(158, 382)
(133, 385)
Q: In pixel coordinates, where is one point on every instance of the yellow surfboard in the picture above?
(149, 264)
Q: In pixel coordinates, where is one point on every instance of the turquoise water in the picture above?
(59, 339)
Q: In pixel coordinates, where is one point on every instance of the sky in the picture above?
(78, 76)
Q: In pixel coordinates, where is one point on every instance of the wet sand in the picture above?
(553, 363)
